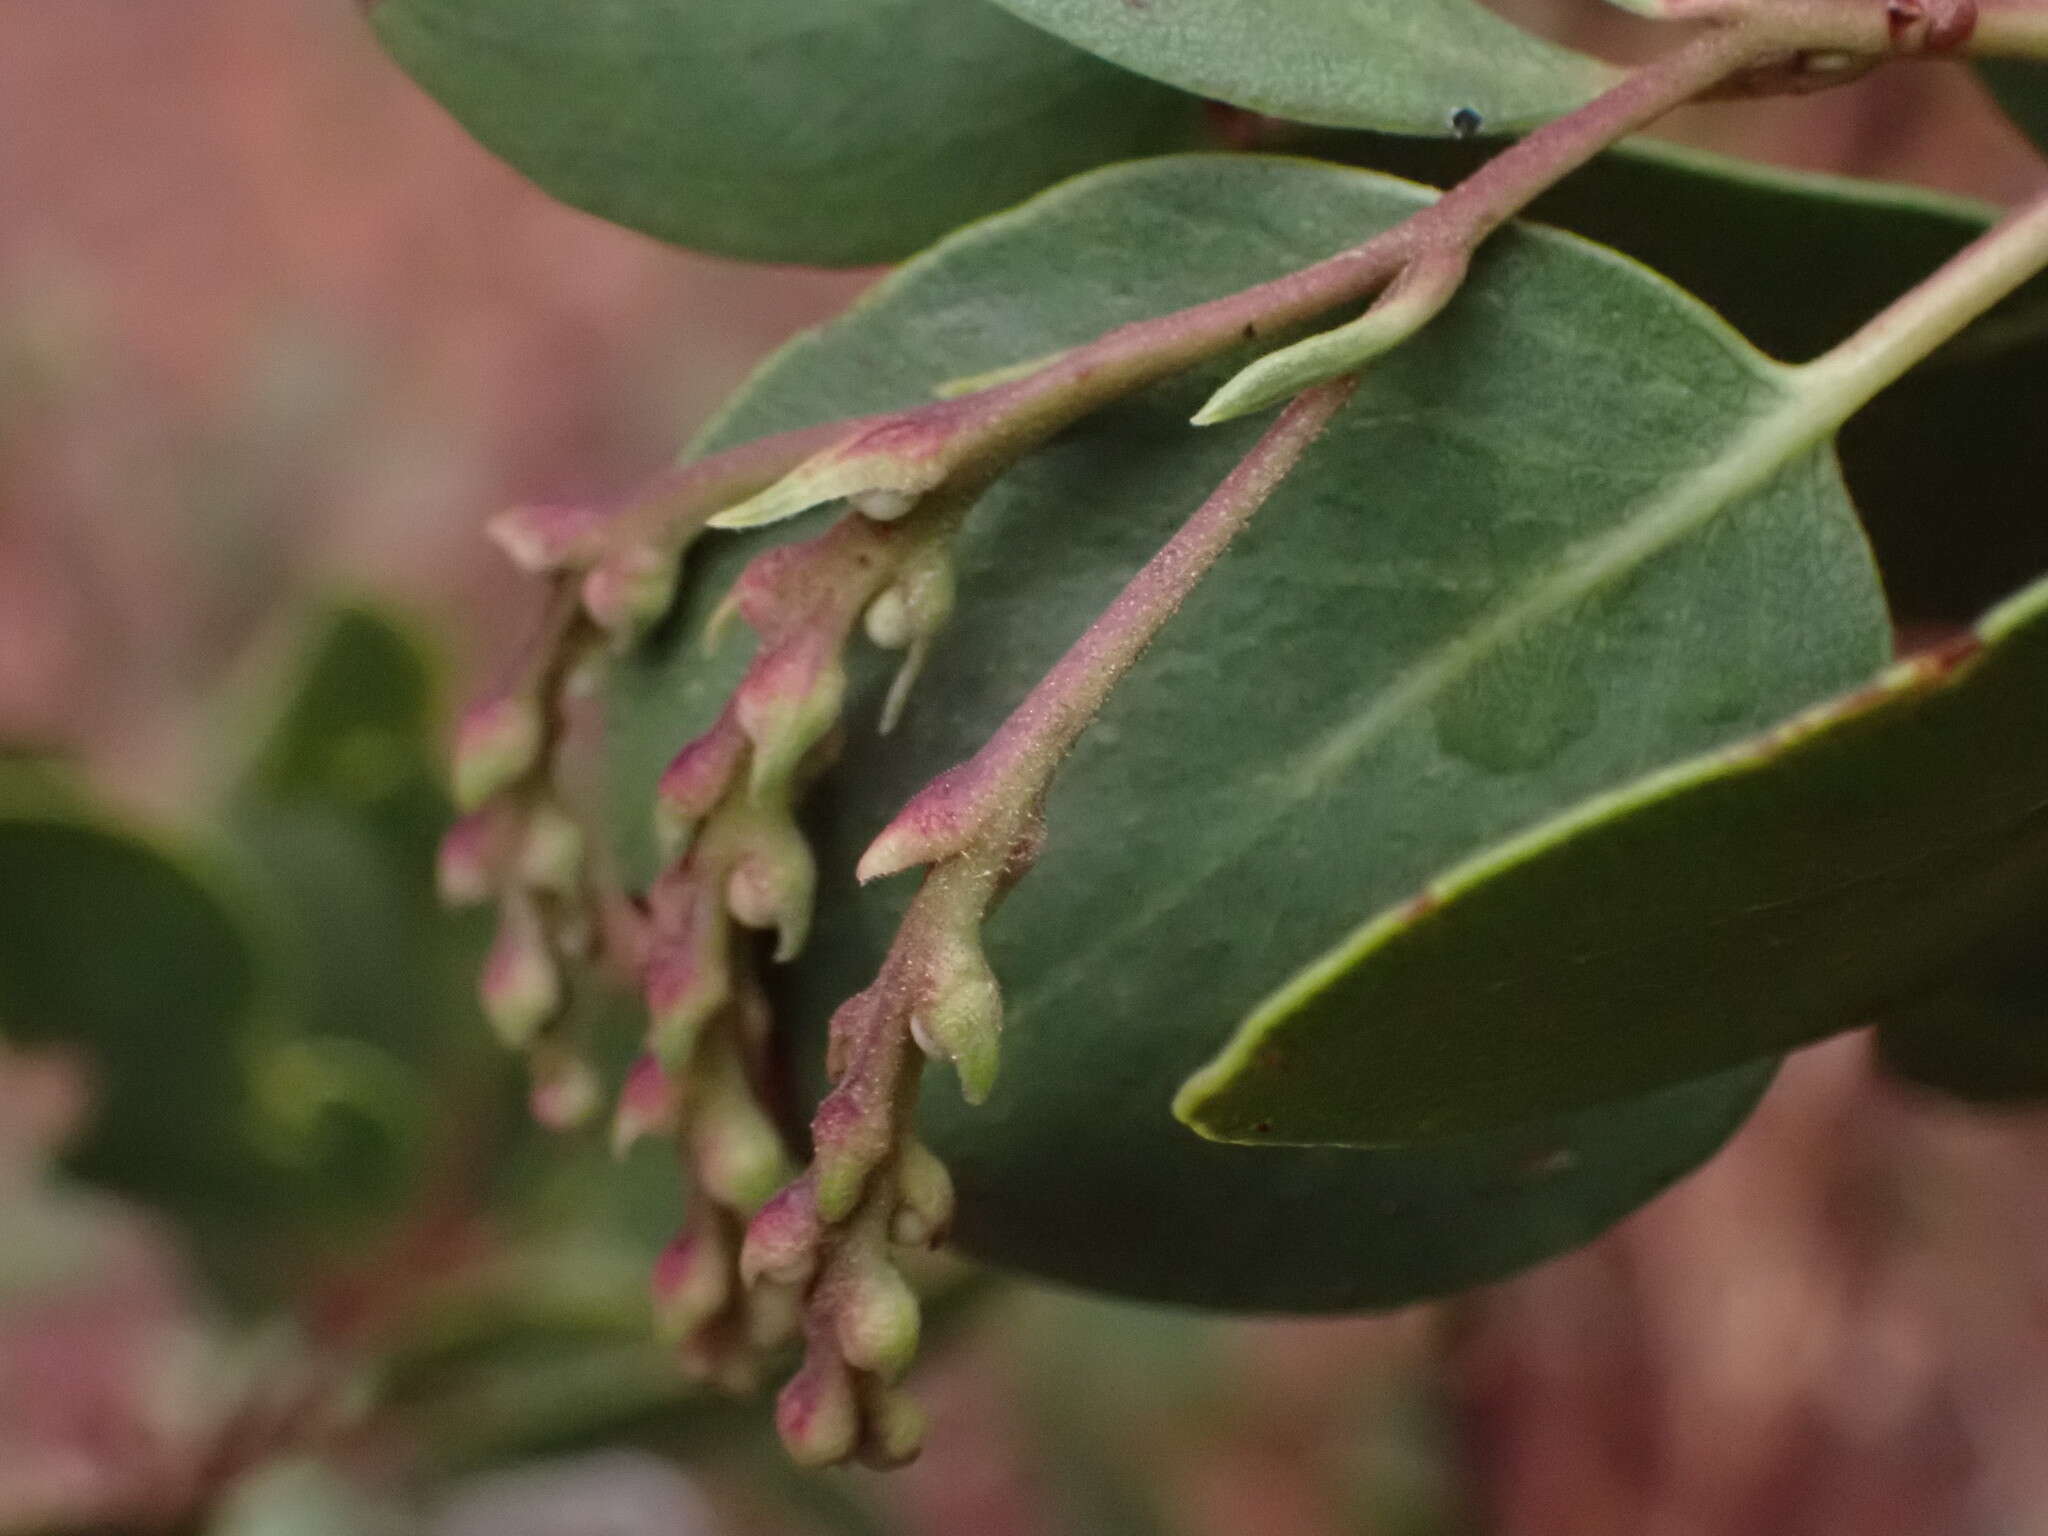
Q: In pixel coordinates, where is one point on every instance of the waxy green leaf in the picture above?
(1400, 662)
(1960, 432)
(1847, 863)
(1408, 66)
(832, 132)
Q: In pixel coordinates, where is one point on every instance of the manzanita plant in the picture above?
(1355, 729)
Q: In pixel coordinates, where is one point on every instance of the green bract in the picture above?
(1409, 66)
(833, 132)
(1461, 614)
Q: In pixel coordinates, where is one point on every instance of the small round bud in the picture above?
(817, 1414)
(883, 506)
(875, 1315)
(691, 1285)
(551, 852)
(466, 866)
(522, 983)
(497, 743)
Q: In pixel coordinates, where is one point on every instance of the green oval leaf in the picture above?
(1339, 711)
(1407, 66)
(126, 950)
(833, 132)
(334, 824)
(1961, 432)
(1734, 907)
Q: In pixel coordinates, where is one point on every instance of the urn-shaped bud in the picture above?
(688, 979)
(774, 878)
(694, 782)
(874, 1312)
(781, 1247)
(647, 1104)
(817, 1414)
(924, 1198)
(959, 1018)
(627, 591)
(551, 850)
(522, 981)
(565, 1091)
(692, 1283)
(497, 743)
(739, 1155)
(851, 1134)
(892, 1425)
(915, 606)
(466, 868)
(790, 698)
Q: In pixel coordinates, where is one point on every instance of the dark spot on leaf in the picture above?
(1263, 1127)
(1251, 330)
(1466, 121)
(1546, 1163)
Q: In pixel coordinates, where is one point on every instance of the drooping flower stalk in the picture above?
(979, 828)
(737, 864)
(520, 841)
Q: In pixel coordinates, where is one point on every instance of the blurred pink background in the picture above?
(270, 324)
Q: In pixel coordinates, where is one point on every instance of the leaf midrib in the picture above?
(1771, 440)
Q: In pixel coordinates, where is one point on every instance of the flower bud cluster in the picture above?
(519, 844)
(725, 817)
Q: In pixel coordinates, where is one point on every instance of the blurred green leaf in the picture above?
(359, 731)
(125, 948)
(334, 823)
(1409, 66)
(1847, 863)
(833, 132)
